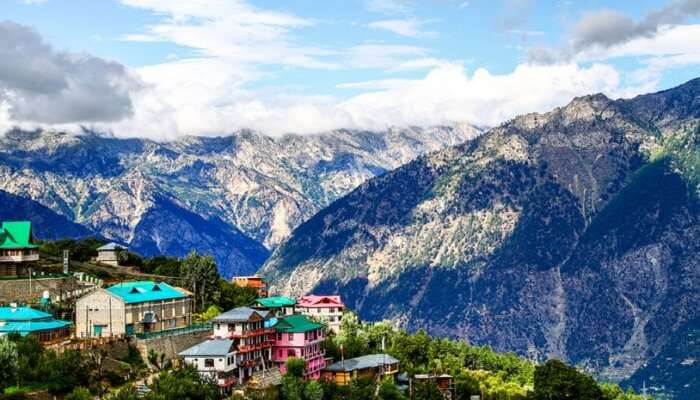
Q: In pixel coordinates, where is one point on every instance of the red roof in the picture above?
(311, 301)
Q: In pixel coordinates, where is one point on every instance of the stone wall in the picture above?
(26, 290)
(171, 345)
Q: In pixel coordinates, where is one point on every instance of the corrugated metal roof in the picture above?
(276, 301)
(111, 246)
(211, 347)
(143, 291)
(19, 314)
(25, 328)
(370, 361)
(238, 314)
(16, 235)
(296, 324)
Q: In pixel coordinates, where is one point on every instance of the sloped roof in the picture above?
(19, 314)
(143, 291)
(320, 301)
(238, 314)
(370, 361)
(211, 347)
(25, 328)
(111, 246)
(16, 235)
(276, 301)
(296, 324)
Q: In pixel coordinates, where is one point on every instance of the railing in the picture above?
(255, 332)
(252, 347)
(20, 258)
(176, 331)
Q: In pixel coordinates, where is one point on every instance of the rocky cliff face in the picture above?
(572, 234)
(234, 197)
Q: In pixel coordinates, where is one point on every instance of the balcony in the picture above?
(248, 334)
(244, 348)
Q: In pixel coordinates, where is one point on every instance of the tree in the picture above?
(361, 389)
(389, 391)
(184, 383)
(466, 386)
(202, 277)
(8, 362)
(291, 388)
(211, 312)
(125, 393)
(557, 381)
(232, 296)
(295, 367)
(426, 390)
(313, 390)
(79, 393)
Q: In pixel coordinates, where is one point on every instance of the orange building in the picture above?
(256, 282)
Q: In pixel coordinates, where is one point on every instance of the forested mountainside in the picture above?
(572, 234)
(234, 197)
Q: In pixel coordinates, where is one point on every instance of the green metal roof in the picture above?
(21, 314)
(143, 291)
(276, 301)
(25, 328)
(296, 324)
(16, 235)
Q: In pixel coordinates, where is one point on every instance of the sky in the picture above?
(162, 69)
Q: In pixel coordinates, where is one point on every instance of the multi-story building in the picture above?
(29, 321)
(297, 336)
(279, 306)
(255, 282)
(129, 308)
(239, 347)
(17, 250)
(327, 309)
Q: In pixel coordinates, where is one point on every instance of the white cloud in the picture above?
(389, 6)
(405, 27)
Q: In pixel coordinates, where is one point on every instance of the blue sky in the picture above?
(169, 68)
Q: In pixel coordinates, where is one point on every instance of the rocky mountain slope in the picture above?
(234, 197)
(572, 234)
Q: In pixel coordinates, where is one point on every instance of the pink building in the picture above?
(327, 309)
(299, 337)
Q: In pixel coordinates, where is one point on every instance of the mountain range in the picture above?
(571, 234)
(235, 197)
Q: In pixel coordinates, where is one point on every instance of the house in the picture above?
(17, 250)
(297, 336)
(29, 321)
(374, 366)
(256, 282)
(112, 254)
(327, 309)
(129, 308)
(238, 348)
(279, 306)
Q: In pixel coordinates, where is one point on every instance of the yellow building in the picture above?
(374, 366)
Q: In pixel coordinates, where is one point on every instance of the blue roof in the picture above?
(25, 328)
(22, 314)
(142, 291)
(211, 347)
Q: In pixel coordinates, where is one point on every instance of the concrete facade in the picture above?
(102, 313)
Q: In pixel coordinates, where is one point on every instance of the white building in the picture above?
(326, 309)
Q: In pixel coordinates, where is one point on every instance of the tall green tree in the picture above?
(202, 278)
(389, 391)
(184, 383)
(79, 393)
(8, 362)
(557, 381)
(313, 390)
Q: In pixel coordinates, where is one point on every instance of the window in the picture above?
(290, 336)
(209, 362)
(279, 336)
(291, 353)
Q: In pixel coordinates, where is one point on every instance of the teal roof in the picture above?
(19, 314)
(143, 291)
(276, 301)
(296, 324)
(16, 235)
(25, 328)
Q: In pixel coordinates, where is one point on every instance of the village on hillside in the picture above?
(244, 348)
